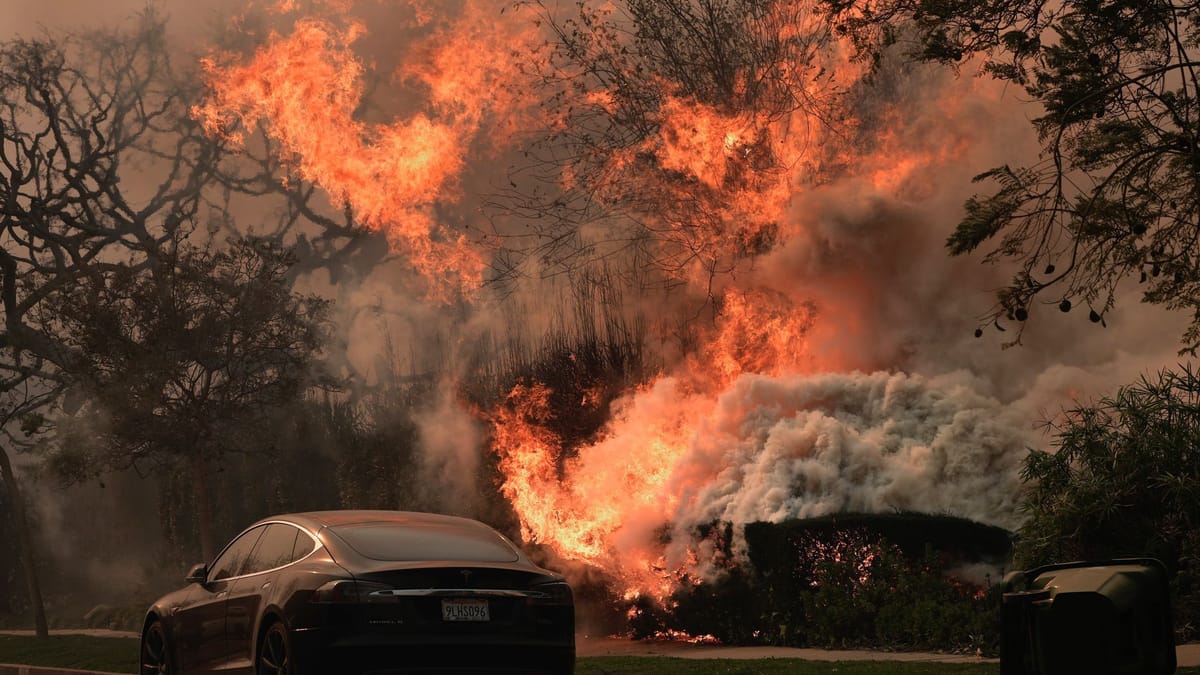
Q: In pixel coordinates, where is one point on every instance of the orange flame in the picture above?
(597, 497)
(606, 505)
(612, 503)
(305, 89)
(673, 635)
(728, 177)
(761, 331)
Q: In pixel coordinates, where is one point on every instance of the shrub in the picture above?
(1123, 480)
(811, 584)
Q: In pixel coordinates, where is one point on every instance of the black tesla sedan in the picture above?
(340, 592)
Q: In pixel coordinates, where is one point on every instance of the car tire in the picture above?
(154, 653)
(275, 652)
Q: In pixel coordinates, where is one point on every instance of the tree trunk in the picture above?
(203, 508)
(24, 545)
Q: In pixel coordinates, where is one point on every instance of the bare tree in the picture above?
(65, 131)
(104, 177)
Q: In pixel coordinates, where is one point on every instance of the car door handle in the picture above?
(222, 594)
(266, 585)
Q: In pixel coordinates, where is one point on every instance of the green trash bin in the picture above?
(1111, 617)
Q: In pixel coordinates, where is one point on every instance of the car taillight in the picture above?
(352, 591)
(554, 593)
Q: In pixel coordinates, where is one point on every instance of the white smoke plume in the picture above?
(780, 448)
(451, 443)
(775, 448)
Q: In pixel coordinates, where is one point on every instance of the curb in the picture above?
(14, 669)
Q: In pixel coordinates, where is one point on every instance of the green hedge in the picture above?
(772, 545)
(844, 582)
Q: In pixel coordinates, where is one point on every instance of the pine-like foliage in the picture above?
(1123, 479)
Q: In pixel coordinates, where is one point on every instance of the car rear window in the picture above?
(421, 542)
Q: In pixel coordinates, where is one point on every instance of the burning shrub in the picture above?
(773, 545)
(868, 593)
(823, 583)
(727, 610)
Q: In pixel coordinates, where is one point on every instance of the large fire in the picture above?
(595, 499)
(755, 421)
(305, 89)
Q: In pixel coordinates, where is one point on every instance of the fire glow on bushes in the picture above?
(674, 459)
(754, 424)
(578, 513)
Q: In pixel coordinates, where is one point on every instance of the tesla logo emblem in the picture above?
(466, 575)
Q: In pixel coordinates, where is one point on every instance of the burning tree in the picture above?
(1117, 190)
(675, 128)
(669, 137)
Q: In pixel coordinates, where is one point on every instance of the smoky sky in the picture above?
(189, 20)
(918, 306)
(896, 314)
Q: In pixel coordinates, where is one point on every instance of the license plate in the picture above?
(463, 609)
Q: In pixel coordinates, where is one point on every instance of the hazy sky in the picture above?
(923, 307)
(941, 426)
(27, 17)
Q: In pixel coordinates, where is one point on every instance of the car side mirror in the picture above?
(197, 575)
(1088, 617)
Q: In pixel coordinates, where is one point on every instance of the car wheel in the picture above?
(155, 657)
(275, 652)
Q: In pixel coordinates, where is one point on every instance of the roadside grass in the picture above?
(658, 665)
(119, 655)
(85, 652)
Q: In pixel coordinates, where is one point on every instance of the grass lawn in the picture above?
(119, 655)
(114, 655)
(655, 665)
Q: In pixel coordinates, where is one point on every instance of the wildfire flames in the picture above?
(604, 493)
(305, 89)
(756, 423)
